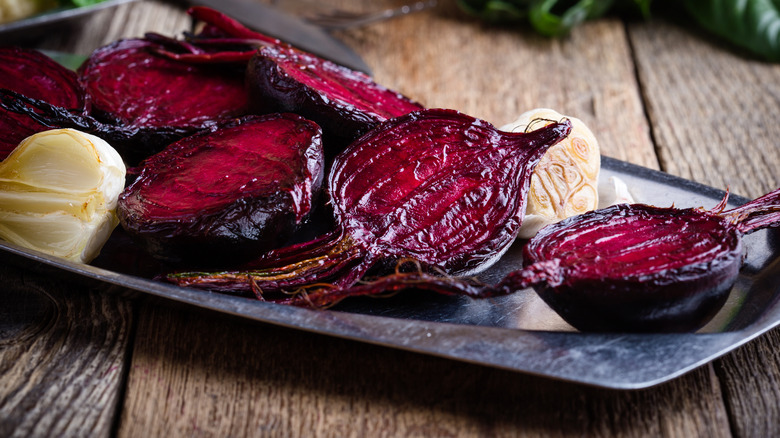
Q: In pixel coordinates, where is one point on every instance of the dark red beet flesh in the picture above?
(641, 268)
(638, 268)
(346, 103)
(128, 85)
(140, 101)
(438, 186)
(228, 194)
(33, 74)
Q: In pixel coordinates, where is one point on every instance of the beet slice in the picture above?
(438, 186)
(141, 101)
(36, 75)
(345, 102)
(128, 85)
(221, 196)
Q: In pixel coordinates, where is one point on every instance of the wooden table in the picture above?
(83, 359)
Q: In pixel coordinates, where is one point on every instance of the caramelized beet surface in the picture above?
(225, 195)
(33, 74)
(437, 186)
(127, 84)
(346, 103)
(637, 268)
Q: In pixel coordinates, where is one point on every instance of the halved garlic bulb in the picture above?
(58, 194)
(565, 182)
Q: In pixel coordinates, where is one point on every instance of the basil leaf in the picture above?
(751, 24)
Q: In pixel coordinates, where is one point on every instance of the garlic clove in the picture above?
(58, 193)
(565, 182)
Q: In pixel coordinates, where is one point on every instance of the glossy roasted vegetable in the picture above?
(35, 75)
(346, 103)
(128, 85)
(644, 268)
(217, 197)
(565, 182)
(438, 186)
(58, 194)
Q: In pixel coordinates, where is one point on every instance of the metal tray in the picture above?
(517, 332)
(40, 24)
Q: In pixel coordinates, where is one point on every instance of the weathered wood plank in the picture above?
(713, 111)
(751, 384)
(198, 373)
(63, 350)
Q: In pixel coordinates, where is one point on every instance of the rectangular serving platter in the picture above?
(518, 332)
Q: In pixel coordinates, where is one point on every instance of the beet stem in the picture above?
(338, 257)
(759, 213)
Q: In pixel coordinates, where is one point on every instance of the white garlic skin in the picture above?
(58, 194)
(565, 182)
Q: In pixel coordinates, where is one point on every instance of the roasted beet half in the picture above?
(438, 186)
(128, 85)
(644, 268)
(215, 198)
(33, 74)
(346, 103)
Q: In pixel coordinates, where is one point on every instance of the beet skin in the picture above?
(35, 75)
(217, 197)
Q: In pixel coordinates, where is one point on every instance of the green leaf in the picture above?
(751, 24)
(558, 18)
(86, 2)
(497, 10)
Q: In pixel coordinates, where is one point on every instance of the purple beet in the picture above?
(438, 186)
(644, 268)
(346, 103)
(221, 196)
(128, 85)
(36, 75)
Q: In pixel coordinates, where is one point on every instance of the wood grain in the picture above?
(198, 373)
(62, 355)
(443, 58)
(713, 111)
